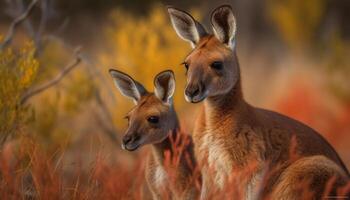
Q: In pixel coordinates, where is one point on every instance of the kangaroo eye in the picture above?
(217, 65)
(127, 118)
(186, 65)
(153, 119)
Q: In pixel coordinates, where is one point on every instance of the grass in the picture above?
(28, 172)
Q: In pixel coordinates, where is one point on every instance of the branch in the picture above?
(44, 17)
(28, 25)
(104, 118)
(54, 81)
(45, 11)
(94, 71)
(16, 22)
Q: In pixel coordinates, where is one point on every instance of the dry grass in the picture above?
(27, 172)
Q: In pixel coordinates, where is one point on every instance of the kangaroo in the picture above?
(154, 121)
(229, 133)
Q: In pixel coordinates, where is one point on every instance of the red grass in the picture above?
(29, 172)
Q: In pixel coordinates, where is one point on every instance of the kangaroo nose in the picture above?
(192, 91)
(127, 138)
(130, 138)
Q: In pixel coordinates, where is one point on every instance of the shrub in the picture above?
(17, 72)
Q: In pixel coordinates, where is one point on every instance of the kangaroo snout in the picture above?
(127, 138)
(195, 93)
(191, 92)
(130, 142)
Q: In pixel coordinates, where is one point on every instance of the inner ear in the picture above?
(186, 26)
(164, 84)
(224, 24)
(127, 85)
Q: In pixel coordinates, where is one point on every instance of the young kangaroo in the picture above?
(154, 121)
(230, 134)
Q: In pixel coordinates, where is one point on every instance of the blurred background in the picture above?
(62, 119)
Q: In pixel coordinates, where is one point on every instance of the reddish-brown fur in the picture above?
(179, 183)
(230, 133)
(171, 165)
(246, 133)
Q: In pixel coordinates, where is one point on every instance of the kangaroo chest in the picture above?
(164, 179)
(226, 152)
(213, 152)
(160, 177)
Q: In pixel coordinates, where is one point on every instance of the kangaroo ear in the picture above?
(164, 84)
(224, 25)
(128, 86)
(186, 26)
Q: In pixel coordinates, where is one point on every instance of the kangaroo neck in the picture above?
(230, 107)
(166, 145)
(226, 103)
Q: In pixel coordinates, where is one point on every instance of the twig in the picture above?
(28, 25)
(15, 23)
(92, 67)
(45, 11)
(62, 27)
(44, 6)
(54, 81)
(93, 73)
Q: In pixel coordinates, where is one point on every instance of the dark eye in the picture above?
(217, 65)
(127, 118)
(186, 65)
(153, 119)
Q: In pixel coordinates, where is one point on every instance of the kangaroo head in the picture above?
(211, 66)
(153, 116)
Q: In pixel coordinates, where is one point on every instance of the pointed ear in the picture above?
(164, 84)
(186, 26)
(127, 86)
(224, 25)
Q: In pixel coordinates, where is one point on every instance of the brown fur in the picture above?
(237, 133)
(177, 183)
(171, 165)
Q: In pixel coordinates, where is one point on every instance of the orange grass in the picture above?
(28, 172)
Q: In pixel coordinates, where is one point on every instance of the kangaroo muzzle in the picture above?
(130, 142)
(195, 93)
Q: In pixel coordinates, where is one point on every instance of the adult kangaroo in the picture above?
(154, 121)
(230, 134)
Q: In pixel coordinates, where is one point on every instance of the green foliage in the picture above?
(17, 72)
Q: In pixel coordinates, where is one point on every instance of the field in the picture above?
(62, 119)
